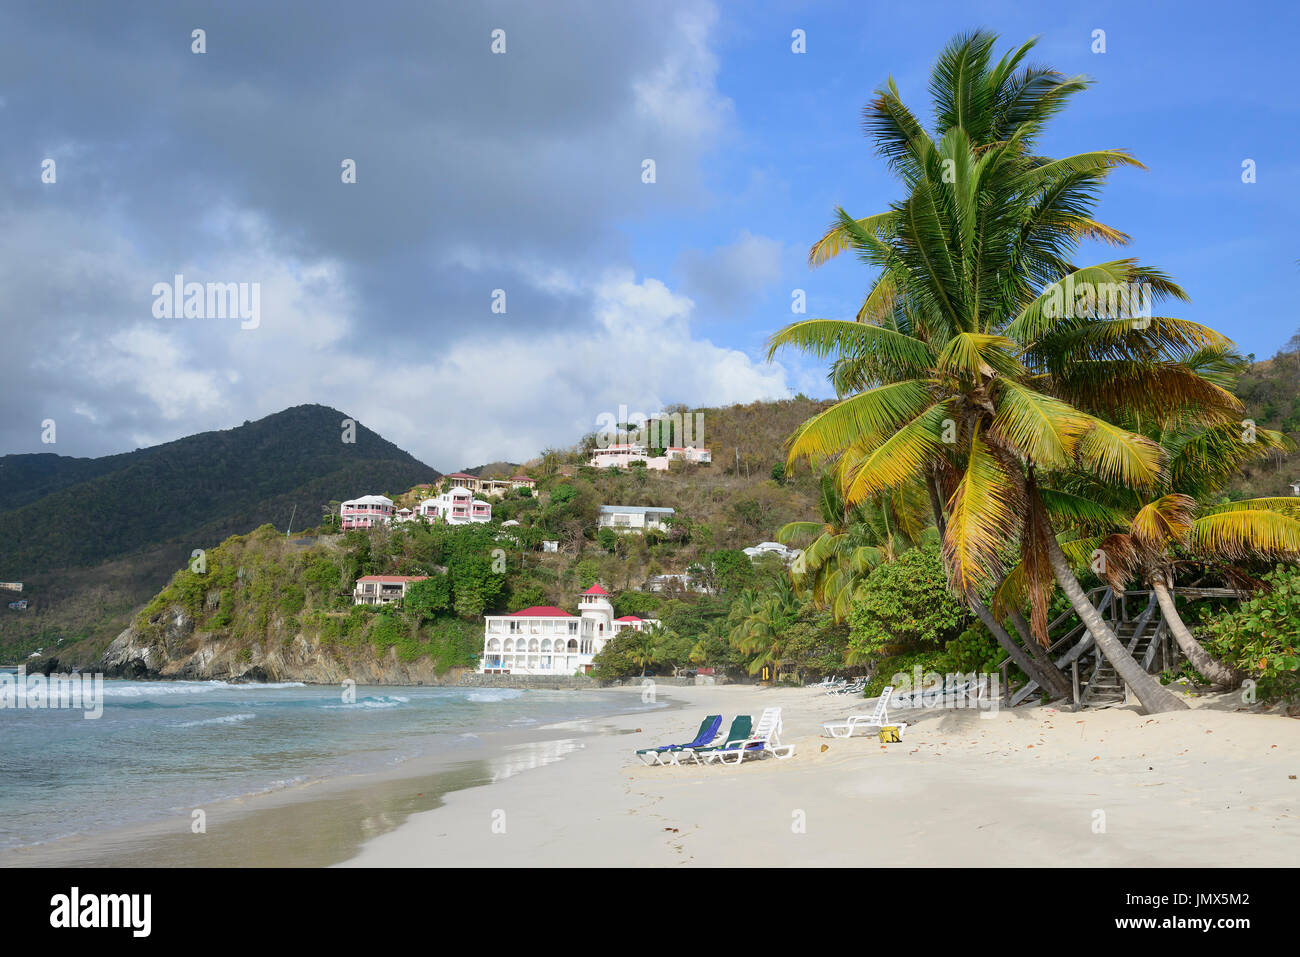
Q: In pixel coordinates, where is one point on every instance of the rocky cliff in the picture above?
(176, 648)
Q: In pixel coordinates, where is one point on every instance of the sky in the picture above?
(501, 274)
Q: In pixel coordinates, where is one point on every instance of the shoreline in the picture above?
(321, 820)
(1034, 786)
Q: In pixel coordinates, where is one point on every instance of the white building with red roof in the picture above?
(546, 640)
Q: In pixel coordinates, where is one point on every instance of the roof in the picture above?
(629, 618)
(595, 590)
(634, 509)
(541, 611)
(520, 478)
(460, 475)
(368, 500)
(392, 579)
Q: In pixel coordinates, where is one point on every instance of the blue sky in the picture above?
(521, 171)
(1192, 89)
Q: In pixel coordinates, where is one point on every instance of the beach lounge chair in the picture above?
(874, 721)
(858, 686)
(739, 731)
(941, 697)
(764, 740)
(708, 734)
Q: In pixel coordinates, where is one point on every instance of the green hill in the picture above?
(93, 538)
(1270, 390)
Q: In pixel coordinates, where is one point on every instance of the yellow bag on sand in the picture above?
(889, 734)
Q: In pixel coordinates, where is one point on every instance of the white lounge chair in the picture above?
(857, 686)
(932, 696)
(765, 739)
(876, 720)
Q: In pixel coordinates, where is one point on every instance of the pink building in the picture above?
(366, 511)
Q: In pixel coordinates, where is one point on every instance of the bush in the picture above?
(1262, 636)
(905, 605)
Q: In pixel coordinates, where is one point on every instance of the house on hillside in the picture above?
(787, 555)
(456, 506)
(635, 518)
(484, 486)
(674, 582)
(382, 589)
(546, 640)
(621, 456)
(366, 511)
(523, 481)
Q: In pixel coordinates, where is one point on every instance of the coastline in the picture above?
(1030, 787)
(318, 821)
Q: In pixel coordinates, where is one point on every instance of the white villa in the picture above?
(621, 456)
(366, 511)
(634, 518)
(456, 506)
(546, 640)
(787, 555)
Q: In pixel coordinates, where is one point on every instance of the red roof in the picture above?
(392, 578)
(629, 618)
(595, 590)
(460, 475)
(541, 611)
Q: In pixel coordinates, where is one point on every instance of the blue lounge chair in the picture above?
(707, 734)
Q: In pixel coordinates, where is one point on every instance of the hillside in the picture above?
(93, 538)
(1270, 390)
(720, 508)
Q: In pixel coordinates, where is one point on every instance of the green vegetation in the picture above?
(1262, 636)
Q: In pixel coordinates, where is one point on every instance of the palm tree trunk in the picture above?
(1012, 647)
(1154, 697)
(1059, 686)
(1007, 643)
(1201, 660)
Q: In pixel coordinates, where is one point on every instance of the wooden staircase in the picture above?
(1096, 683)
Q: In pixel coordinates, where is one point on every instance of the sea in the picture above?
(163, 747)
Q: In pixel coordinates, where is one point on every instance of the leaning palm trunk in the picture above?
(1153, 696)
(1008, 644)
(1042, 676)
(1216, 671)
(1058, 686)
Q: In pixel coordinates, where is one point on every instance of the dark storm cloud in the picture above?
(474, 171)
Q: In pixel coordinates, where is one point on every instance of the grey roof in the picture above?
(635, 509)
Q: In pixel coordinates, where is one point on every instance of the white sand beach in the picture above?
(1213, 786)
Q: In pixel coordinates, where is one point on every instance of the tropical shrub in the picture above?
(1262, 636)
(905, 605)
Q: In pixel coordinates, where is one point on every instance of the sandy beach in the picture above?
(1213, 786)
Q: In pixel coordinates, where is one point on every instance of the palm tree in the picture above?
(759, 621)
(645, 648)
(1174, 530)
(960, 362)
(839, 551)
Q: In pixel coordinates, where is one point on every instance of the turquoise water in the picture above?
(164, 747)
